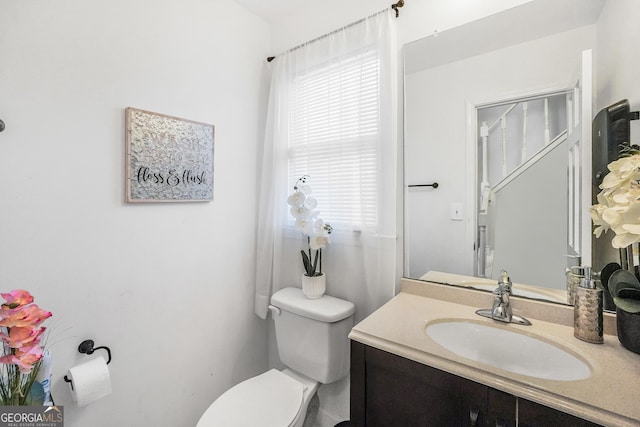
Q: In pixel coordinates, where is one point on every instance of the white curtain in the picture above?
(360, 261)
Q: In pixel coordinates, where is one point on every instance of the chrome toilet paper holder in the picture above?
(87, 347)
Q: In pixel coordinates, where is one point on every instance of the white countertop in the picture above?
(610, 396)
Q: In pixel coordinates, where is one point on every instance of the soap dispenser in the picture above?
(587, 310)
(575, 274)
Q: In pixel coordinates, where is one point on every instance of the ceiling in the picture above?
(272, 10)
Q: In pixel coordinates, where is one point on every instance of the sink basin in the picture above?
(507, 350)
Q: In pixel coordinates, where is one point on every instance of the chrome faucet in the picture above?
(501, 305)
(501, 310)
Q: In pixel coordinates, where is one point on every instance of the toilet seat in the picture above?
(272, 399)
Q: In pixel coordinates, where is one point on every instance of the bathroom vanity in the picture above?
(401, 376)
(393, 390)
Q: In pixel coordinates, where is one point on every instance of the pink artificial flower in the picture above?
(21, 336)
(25, 358)
(17, 298)
(29, 355)
(30, 315)
(12, 359)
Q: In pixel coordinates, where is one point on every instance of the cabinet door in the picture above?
(532, 414)
(501, 409)
(497, 409)
(400, 392)
(475, 398)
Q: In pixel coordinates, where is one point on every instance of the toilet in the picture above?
(312, 343)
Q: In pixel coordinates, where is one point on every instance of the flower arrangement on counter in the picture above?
(618, 206)
(21, 335)
(308, 221)
(618, 209)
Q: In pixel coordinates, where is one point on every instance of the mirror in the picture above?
(533, 57)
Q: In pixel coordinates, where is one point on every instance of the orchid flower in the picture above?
(318, 242)
(305, 226)
(296, 199)
(310, 203)
(304, 188)
(618, 206)
(308, 221)
(299, 212)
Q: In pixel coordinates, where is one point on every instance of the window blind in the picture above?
(333, 138)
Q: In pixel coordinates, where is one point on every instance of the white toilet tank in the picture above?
(312, 334)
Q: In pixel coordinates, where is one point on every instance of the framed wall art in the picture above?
(168, 159)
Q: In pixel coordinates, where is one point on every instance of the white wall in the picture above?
(435, 143)
(617, 59)
(169, 287)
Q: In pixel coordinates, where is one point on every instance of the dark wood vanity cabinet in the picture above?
(535, 415)
(389, 391)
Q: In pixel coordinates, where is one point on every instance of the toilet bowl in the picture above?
(312, 339)
(273, 399)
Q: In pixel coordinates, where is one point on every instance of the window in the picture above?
(333, 137)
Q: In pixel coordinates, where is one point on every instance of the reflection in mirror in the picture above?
(529, 205)
(483, 284)
(523, 149)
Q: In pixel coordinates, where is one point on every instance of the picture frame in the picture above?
(168, 159)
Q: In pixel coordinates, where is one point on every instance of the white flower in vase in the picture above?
(308, 222)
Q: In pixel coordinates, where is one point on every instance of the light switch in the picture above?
(456, 212)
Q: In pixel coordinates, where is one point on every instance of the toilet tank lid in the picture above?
(324, 309)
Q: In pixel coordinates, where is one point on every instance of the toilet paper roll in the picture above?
(91, 381)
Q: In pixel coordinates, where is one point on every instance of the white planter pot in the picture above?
(314, 287)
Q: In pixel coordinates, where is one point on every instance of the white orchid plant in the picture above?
(308, 221)
(618, 206)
